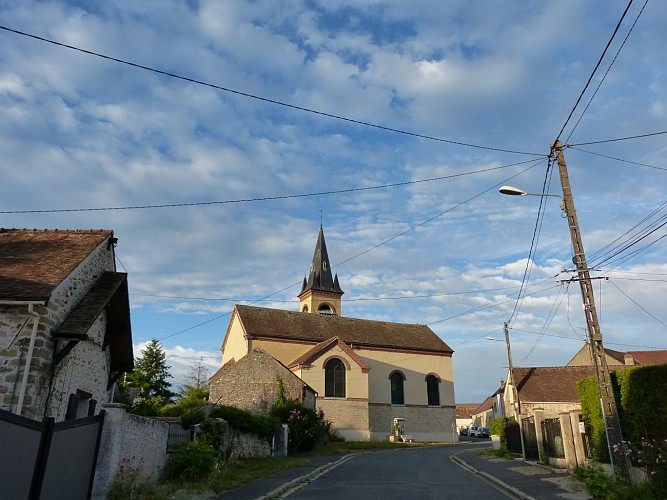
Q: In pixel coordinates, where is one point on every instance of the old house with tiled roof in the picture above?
(65, 333)
(627, 358)
(365, 373)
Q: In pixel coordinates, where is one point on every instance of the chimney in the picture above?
(628, 359)
(502, 383)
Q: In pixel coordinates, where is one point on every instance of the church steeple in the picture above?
(321, 292)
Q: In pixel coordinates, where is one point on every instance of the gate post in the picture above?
(568, 443)
(578, 440)
(42, 458)
(539, 434)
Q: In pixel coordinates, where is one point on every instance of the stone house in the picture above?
(251, 383)
(65, 334)
(366, 373)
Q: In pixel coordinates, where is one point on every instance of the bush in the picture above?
(191, 461)
(192, 418)
(307, 428)
(243, 421)
(213, 432)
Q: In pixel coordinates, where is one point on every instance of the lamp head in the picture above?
(512, 191)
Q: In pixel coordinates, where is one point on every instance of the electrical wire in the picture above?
(617, 159)
(618, 139)
(608, 69)
(590, 78)
(268, 198)
(636, 303)
(263, 99)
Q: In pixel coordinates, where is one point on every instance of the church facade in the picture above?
(365, 373)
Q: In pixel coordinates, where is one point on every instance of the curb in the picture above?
(511, 490)
(295, 484)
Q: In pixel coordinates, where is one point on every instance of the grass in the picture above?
(501, 453)
(232, 475)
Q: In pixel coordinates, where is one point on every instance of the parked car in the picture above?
(483, 432)
(463, 431)
(473, 431)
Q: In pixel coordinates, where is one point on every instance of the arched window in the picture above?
(397, 397)
(433, 390)
(334, 379)
(326, 309)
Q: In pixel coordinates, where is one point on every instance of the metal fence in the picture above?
(48, 460)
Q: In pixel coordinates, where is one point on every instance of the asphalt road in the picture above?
(418, 473)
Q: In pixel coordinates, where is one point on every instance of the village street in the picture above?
(399, 474)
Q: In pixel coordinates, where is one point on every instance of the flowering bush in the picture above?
(650, 455)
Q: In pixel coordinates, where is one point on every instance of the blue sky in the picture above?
(482, 93)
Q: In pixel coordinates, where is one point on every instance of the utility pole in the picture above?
(517, 404)
(607, 401)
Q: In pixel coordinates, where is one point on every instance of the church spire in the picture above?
(320, 288)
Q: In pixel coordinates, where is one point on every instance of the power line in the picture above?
(357, 255)
(617, 159)
(637, 304)
(590, 78)
(608, 69)
(618, 139)
(264, 99)
(266, 198)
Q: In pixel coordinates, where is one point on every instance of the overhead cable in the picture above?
(264, 99)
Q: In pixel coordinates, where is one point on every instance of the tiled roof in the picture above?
(261, 322)
(109, 291)
(34, 262)
(550, 384)
(466, 410)
(646, 358)
(486, 405)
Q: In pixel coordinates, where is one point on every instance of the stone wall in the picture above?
(250, 383)
(423, 423)
(129, 442)
(47, 392)
(348, 417)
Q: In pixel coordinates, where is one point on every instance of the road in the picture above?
(414, 473)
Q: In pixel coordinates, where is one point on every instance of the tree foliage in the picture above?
(147, 389)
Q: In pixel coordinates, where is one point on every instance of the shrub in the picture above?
(213, 431)
(307, 428)
(191, 461)
(243, 421)
(192, 418)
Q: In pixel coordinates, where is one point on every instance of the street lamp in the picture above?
(598, 355)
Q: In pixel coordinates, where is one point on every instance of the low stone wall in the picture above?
(247, 445)
(423, 423)
(129, 442)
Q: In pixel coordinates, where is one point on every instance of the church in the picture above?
(361, 373)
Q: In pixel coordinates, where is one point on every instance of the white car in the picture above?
(473, 431)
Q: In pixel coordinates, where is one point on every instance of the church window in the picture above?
(397, 396)
(433, 390)
(334, 379)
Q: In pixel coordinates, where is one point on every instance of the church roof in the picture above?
(320, 277)
(265, 323)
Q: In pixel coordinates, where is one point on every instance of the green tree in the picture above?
(147, 389)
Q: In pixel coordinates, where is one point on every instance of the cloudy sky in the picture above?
(239, 126)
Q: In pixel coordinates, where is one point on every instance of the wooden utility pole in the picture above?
(608, 403)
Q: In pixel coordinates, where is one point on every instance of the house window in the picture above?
(397, 397)
(433, 390)
(334, 379)
(81, 404)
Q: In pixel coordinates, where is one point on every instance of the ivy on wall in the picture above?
(641, 399)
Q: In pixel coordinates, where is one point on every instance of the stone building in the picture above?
(65, 333)
(251, 383)
(366, 373)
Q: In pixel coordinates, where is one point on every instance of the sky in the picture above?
(239, 127)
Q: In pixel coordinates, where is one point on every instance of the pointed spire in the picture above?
(320, 277)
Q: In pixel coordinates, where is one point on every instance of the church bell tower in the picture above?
(321, 293)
